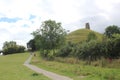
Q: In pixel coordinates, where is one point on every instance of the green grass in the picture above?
(81, 35)
(12, 68)
(78, 71)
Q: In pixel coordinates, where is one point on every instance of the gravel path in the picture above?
(51, 75)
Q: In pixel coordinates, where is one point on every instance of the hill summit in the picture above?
(81, 35)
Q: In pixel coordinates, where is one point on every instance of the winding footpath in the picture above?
(50, 75)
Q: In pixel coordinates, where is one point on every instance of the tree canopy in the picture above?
(12, 47)
(31, 45)
(110, 30)
(51, 36)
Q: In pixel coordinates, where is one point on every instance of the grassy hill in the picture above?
(81, 35)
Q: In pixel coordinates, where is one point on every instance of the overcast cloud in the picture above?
(18, 18)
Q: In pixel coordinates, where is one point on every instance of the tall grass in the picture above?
(115, 63)
(78, 70)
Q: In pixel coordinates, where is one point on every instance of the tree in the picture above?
(66, 50)
(110, 30)
(31, 45)
(37, 36)
(91, 36)
(11, 47)
(116, 40)
(51, 35)
(21, 49)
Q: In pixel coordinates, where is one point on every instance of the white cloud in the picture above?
(72, 13)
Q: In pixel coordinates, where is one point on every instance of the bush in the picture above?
(88, 50)
(67, 50)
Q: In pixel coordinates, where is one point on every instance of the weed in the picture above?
(35, 74)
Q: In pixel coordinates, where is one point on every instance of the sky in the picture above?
(19, 18)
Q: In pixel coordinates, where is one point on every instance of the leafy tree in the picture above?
(116, 40)
(37, 42)
(91, 36)
(21, 49)
(89, 50)
(11, 47)
(8, 45)
(51, 36)
(110, 30)
(31, 45)
(67, 50)
(111, 48)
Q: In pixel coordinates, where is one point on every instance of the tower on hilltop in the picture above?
(87, 26)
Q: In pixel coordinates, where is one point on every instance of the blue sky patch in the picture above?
(9, 20)
(32, 17)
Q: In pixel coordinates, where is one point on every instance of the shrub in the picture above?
(66, 51)
(89, 50)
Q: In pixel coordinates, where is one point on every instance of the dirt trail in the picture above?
(51, 75)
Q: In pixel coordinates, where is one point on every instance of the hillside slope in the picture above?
(81, 35)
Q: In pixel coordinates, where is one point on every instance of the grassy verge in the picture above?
(12, 68)
(78, 71)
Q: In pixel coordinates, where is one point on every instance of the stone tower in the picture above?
(87, 26)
